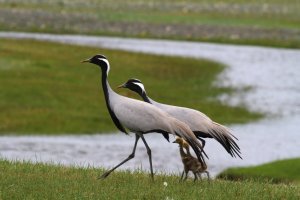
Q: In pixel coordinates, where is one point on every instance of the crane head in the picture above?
(99, 60)
(181, 142)
(135, 85)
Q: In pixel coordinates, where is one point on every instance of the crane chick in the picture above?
(190, 163)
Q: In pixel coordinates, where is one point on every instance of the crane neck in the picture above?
(106, 88)
(182, 153)
(110, 98)
(145, 97)
(188, 151)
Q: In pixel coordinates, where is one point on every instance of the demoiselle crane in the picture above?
(140, 118)
(199, 123)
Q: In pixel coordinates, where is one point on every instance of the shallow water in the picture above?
(260, 142)
(272, 73)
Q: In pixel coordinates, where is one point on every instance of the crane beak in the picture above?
(87, 60)
(174, 141)
(122, 86)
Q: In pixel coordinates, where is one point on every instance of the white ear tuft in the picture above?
(107, 63)
(140, 85)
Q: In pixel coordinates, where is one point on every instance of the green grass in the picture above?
(268, 23)
(22, 180)
(278, 171)
(45, 89)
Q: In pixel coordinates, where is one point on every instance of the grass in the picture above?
(271, 23)
(45, 89)
(22, 180)
(278, 171)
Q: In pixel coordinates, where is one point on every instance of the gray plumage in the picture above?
(140, 117)
(199, 123)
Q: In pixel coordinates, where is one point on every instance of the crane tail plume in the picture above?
(224, 136)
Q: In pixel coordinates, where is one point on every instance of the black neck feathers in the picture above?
(145, 97)
(105, 87)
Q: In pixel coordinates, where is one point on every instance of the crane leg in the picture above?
(199, 174)
(103, 176)
(207, 173)
(186, 175)
(181, 176)
(195, 176)
(149, 154)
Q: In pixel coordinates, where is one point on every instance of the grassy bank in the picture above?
(271, 23)
(45, 89)
(39, 181)
(278, 171)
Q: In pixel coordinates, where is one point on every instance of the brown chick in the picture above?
(190, 163)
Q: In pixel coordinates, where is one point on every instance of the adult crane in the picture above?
(199, 123)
